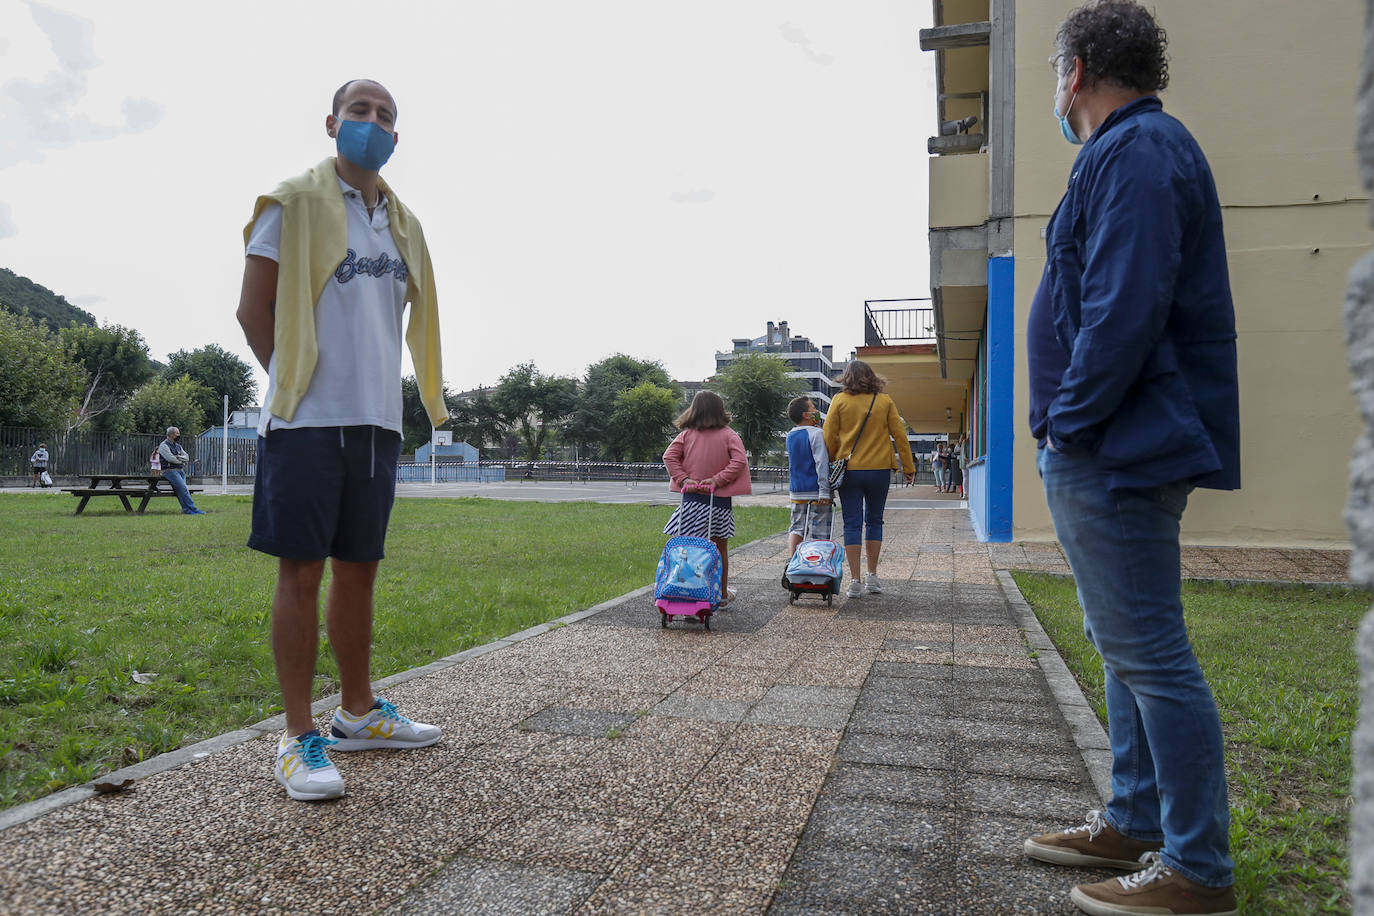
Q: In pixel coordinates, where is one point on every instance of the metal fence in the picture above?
(78, 452)
(86, 452)
(562, 470)
(206, 456)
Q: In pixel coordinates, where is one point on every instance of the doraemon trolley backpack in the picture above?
(687, 583)
(815, 569)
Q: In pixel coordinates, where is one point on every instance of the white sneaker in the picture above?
(854, 589)
(381, 726)
(304, 770)
(873, 583)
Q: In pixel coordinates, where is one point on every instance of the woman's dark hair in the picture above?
(1119, 43)
(859, 378)
(707, 411)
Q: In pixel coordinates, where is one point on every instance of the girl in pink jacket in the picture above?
(707, 455)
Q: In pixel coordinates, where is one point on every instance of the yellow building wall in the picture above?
(958, 191)
(1281, 148)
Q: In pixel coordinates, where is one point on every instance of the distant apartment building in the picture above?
(815, 366)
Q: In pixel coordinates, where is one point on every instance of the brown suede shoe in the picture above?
(1096, 844)
(1156, 891)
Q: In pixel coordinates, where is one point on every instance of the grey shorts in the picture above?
(820, 517)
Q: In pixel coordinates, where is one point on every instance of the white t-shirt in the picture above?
(357, 380)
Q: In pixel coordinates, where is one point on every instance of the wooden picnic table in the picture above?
(143, 487)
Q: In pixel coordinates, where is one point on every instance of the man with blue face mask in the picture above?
(333, 261)
(1131, 347)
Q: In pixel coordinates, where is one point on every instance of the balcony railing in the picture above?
(888, 327)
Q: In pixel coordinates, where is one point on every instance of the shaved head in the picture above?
(341, 96)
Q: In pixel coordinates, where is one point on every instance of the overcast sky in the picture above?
(606, 176)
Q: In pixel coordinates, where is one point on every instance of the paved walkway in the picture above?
(886, 755)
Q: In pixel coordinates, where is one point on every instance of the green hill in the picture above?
(20, 293)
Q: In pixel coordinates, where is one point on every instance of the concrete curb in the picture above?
(21, 814)
(1088, 733)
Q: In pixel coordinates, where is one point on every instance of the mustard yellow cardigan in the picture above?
(314, 239)
(884, 428)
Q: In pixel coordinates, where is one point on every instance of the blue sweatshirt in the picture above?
(808, 463)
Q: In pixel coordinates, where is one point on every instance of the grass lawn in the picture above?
(88, 601)
(1281, 662)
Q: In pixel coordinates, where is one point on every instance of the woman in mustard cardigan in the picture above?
(863, 424)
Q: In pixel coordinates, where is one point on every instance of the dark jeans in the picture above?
(178, 481)
(863, 494)
(1168, 773)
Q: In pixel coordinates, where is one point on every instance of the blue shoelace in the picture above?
(313, 750)
(388, 711)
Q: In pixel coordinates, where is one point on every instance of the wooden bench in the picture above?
(143, 487)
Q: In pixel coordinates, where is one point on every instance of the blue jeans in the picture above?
(178, 481)
(863, 494)
(1168, 770)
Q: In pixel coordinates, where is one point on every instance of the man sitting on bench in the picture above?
(174, 461)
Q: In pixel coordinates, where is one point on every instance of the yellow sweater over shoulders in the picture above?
(314, 239)
(884, 429)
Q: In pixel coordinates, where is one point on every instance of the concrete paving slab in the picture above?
(1034, 762)
(563, 720)
(484, 888)
(861, 822)
(905, 785)
(560, 837)
(707, 708)
(1047, 804)
(838, 879)
(893, 750)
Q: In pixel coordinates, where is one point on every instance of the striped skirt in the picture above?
(698, 518)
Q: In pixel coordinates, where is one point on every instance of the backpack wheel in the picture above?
(663, 620)
(706, 623)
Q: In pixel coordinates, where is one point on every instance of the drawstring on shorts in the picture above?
(372, 470)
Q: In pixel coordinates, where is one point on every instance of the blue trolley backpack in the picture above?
(816, 568)
(687, 583)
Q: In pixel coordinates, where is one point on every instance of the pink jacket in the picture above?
(703, 453)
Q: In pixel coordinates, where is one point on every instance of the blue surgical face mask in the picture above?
(1064, 127)
(365, 144)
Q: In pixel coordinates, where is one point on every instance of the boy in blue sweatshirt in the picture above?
(808, 465)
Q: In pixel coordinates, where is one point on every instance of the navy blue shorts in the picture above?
(324, 492)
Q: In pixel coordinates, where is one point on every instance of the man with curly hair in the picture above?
(1134, 402)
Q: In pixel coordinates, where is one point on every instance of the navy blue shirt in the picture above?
(1131, 337)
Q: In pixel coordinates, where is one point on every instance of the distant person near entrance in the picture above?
(333, 258)
(1131, 346)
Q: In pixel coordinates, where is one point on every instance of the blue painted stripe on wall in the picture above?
(1001, 399)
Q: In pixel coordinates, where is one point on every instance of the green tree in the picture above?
(116, 362)
(476, 420)
(590, 423)
(415, 428)
(641, 422)
(217, 371)
(40, 384)
(533, 406)
(756, 388)
(166, 402)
